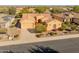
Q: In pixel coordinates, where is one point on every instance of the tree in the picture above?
(40, 9)
(12, 10)
(40, 28)
(73, 26)
(76, 8)
(3, 9)
(56, 10)
(19, 15)
(65, 25)
(25, 10)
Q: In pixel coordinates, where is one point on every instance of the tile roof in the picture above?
(45, 17)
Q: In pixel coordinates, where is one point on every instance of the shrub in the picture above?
(76, 8)
(73, 27)
(60, 29)
(56, 10)
(40, 28)
(51, 33)
(66, 25)
(19, 15)
(25, 10)
(38, 35)
(12, 10)
(40, 9)
(16, 35)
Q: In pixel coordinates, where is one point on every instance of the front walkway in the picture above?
(27, 37)
(25, 34)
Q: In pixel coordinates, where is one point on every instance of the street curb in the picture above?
(16, 42)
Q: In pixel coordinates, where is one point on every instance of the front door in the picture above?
(54, 26)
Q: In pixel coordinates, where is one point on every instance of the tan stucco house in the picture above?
(54, 24)
(28, 21)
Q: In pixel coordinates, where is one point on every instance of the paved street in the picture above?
(67, 45)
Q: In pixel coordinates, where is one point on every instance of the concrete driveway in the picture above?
(25, 34)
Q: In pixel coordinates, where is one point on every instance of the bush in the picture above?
(51, 33)
(40, 9)
(76, 8)
(19, 15)
(60, 29)
(12, 10)
(66, 25)
(40, 35)
(16, 35)
(25, 10)
(73, 27)
(56, 10)
(40, 28)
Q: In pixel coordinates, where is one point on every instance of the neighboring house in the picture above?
(75, 19)
(6, 20)
(29, 21)
(67, 16)
(2, 22)
(54, 24)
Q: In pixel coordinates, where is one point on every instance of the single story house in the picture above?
(75, 19)
(6, 20)
(28, 21)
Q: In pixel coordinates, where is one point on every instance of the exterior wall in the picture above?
(27, 25)
(27, 22)
(51, 25)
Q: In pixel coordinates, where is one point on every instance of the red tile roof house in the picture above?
(29, 20)
(67, 16)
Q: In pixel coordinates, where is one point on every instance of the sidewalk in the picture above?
(22, 41)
